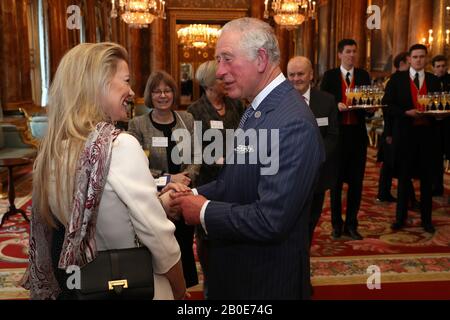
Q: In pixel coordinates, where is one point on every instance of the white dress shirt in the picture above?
(412, 74)
(345, 71)
(307, 95)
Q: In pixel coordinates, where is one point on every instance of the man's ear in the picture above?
(262, 59)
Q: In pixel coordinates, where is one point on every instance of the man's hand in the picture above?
(190, 207)
(412, 113)
(182, 177)
(342, 107)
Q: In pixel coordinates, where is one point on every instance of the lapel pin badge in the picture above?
(257, 114)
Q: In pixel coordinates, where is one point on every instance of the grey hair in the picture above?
(256, 34)
(206, 74)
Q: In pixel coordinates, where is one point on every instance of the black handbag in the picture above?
(118, 274)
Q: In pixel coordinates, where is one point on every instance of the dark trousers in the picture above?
(185, 237)
(351, 167)
(316, 211)
(418, 160)
(438, 180)
(385, 181)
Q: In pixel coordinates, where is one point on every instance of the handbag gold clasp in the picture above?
(118, 283)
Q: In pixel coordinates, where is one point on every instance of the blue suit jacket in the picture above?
(258, 224)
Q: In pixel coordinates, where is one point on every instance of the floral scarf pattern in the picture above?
(79, 246)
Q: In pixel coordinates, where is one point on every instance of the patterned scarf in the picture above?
(79, 246)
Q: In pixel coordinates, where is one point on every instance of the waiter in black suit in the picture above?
(353, 139)
(413, 135)
(439, 64)
(300, 73)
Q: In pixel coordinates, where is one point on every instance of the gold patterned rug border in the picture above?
(385, 278)
(11, 293)
(382, 257)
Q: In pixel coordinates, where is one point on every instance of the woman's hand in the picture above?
(173, 212)
(175, 186)
(181, 178)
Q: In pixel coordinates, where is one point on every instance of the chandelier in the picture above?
(138, 13)
(198, 36)
(437, 37)
(291, 13)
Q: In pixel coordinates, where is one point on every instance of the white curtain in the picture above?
(44, 50)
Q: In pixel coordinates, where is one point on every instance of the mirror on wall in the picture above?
(193, 49)
(187, 59)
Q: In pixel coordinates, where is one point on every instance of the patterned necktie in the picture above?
(416, 80)
(246, 115)
(347, 79)
(306, 100)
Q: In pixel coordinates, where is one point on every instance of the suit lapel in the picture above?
(408, 88)
(338, 84)
(268, 105)
(314, 104)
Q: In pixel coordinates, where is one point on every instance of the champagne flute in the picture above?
(422, 99)
(350, 93)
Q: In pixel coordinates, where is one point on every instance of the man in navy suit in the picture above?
(257, 221)
(352, 140)
(300, 73)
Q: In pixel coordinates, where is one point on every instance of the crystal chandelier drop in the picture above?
(138, 13)
(291, 13)
(198, 36)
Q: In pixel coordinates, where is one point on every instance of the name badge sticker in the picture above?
(161, 142)
(216, 124)
(322, 122)
(161, 181)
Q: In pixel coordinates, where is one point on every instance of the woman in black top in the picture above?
(216, 111)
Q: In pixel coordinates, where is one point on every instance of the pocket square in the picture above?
(242, 149)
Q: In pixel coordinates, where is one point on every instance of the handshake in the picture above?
(178, 201)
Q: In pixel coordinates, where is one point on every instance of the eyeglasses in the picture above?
(160, 92)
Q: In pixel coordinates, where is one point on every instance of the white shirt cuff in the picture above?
(194, 192)
(202, 215)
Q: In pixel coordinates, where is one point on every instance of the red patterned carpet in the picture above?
(413, 264)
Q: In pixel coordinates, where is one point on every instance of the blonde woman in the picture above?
(92, 189)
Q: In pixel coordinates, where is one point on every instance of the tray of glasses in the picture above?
(367, 106)
(435, 113)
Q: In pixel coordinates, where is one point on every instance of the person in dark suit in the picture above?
(353, 139)
(412, 134)
(439, 64)
(300, 73)
(257, 215)
(386, 153)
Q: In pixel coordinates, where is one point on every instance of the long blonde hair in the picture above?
(82, 78)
